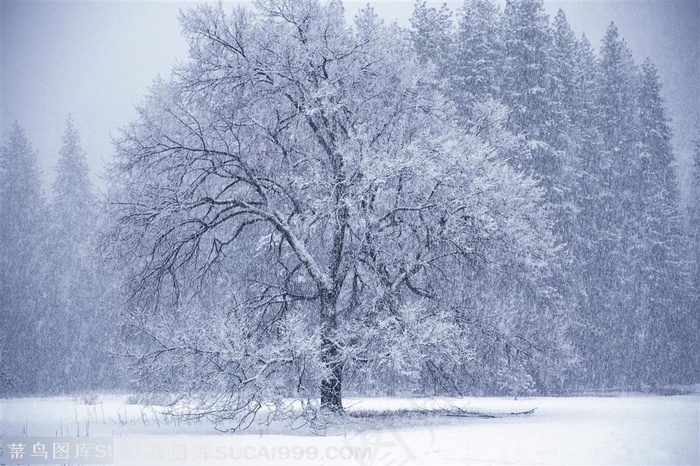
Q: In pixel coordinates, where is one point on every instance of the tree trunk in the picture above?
(331, 385)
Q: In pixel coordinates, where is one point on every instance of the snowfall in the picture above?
(630, 429)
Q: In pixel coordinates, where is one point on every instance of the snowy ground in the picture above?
(576, 430)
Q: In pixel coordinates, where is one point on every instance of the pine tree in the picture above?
(79, 330)
(563, 82)
(611, 288)
(594, 132)
(574, 138)
(694, 221)
(661, 282)
(74, 203)
(478, 54)
(431, 34)
(22, 212)
(692, 341)
(584, 153)
(616, 110)
(527, 68)
(528, 83)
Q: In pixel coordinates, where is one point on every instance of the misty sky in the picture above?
(95, 61)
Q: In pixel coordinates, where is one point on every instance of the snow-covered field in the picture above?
(640, 430)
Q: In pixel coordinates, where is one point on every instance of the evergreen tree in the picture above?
(22, 212)
(583, 155)
(694, 222)
(694, 263)
(528, 81)
(478, 54)
(616, 110)
(538, 89)
(527, 68)
(74, 203)
(431, 34)
(564, 140)
(594, 132)
(79, 332)
(562, 87)
(612, 286)
(656, 252)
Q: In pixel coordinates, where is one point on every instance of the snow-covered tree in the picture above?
(478, 55)
(694, 257)
(536, 88)
(694, 218)
(431, 34)
(527, 67)
(73, 202)
(564, 136)
(22, 212)
(662, 284)
(77, 329)
(630, 244)
(585, 147)
(562, 85)
(612, 275)
(298, 206)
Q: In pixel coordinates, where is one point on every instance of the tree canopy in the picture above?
(312, 176)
